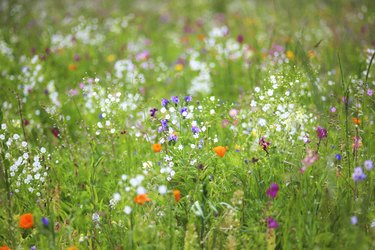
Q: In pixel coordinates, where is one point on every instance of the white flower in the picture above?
(257, 89)
(116, 197)
(270, 92)
(124, 177)
(163, 110)
(26, 156)
(43, 150)
(16, 137)
(253, 103)
(180, 147)
(3, 126)
(127, 210)
(2, 137)
(141, 190)
(100, 125)
(162, 189)
(262, 122)
(212, 111)
(212, 98)
(95, 218)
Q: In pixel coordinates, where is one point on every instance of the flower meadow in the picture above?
(187, 124)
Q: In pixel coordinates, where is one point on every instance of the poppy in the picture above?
(220, 151)
(177, 195)
(26, 221)
(141, 199)
(156, 147)
(4, 247)
(72, 67)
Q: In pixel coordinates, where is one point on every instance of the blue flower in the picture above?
(184, 111)
(45, 221)
(338, 157)
(368, 164)
(195, 129)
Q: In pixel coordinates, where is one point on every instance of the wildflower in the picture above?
(164, 125)
(290, 55)
(272, 223)
(354, 220)
(370, 92)
(111, 58)
(33, 248)
(177, 195)
(164, 102)
(310, 158)
(184, 111)
(127, 209)
(26, 221)
(141, 199)
(358, 174)
(357, 143)
(220, 151)
(356, 120)
(72, 67)
(153, 112)
(338, 157)
(179, 67)
(188, 98)
(322, 132)
(172, 138)
(45, 221)
(272, 191)
(72, 248)
(264, 144)
(369, 164)
(225, 123)
(162, 189)
(175, 99)
(333, 109)
(240, 38)
(4, 247)
(233, 112)
(55, 132)
(156, 147)
(195, 129)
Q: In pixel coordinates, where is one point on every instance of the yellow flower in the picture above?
(110, 58)
(72, 248)
(290, 55)
(179, 67)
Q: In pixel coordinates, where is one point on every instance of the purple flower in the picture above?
(153, 112)
(188, 98)
(45, 221)
(195, 129)
(233, 112)
(271, 223)
(368, 164)
(333, 109)
(322, 132)
(200, 145)
(33, 248)
(354, 220)
(164, 125)
(175, 99)
(184, 111)
(240, 38)
(370, 92)
(358, 174)
(164, 102)
(272, 191)
(264, 144)
(172, 138)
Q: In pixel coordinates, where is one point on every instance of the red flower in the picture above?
(26, 221)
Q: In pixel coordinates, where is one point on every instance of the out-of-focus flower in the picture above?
(370, 92)
(272, 223)
(369, 164)
(356, 120)
(354, 220)
(272, 190)
(357, 143)
(177, 195)
(156, 147)
(141, 199)
(164, 102)
(321, 132)
(188, 98)
(264, 144)
(72, 67)
(290, 55)
(45, 221)
(179, 67)
(220, 151)
(4, 247)
(175, 99)
(26, 221)
(358, 174)
(153, 112)
(233, 112)
(72, 248)
(110, 58)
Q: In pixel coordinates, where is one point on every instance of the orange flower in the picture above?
(26, 221)
(356, 120)
(220, 151)
(72, 67)
(141, 199)
(4, 247)
(156, 147)
(72, 248)
(177, 195)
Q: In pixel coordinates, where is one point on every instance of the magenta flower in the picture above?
(272, 191)
(322, 132)
(272, 223)
(264, 144)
